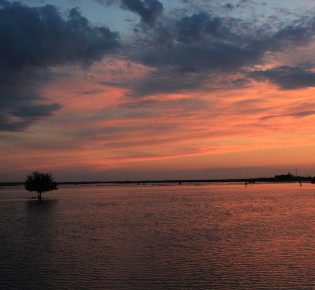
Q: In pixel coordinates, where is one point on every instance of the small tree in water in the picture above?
(40, 182)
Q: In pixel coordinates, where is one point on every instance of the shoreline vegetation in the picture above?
(276, 179)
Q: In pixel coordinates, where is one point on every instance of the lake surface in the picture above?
(159, 237)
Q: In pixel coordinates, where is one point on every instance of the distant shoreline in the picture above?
(276, 179)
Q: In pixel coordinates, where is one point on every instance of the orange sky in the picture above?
(175, 115)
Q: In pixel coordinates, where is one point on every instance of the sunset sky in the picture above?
(151, 89)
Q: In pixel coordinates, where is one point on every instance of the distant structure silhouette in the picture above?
(285, 177)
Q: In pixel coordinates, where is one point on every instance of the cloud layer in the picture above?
(187, 85)
(33, 39)
(195, 52)
(205, 51)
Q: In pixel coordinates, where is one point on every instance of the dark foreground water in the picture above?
(159, 237)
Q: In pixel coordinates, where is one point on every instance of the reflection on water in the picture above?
(159, 237)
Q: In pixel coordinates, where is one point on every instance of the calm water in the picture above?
(159, 237)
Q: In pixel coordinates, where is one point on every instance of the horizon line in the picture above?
(277, 178)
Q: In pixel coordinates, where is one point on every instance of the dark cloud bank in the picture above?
(32, 40)
(287, 77)
(199, 49)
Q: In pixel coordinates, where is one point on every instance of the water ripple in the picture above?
(170, 237)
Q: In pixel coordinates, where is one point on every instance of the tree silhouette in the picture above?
(40, 182)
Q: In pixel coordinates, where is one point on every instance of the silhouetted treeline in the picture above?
(277, 178)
